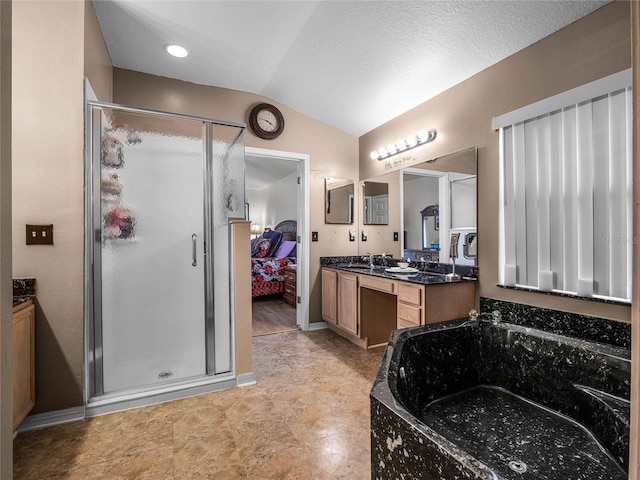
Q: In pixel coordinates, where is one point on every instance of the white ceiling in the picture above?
(260, 172)
(351, 64)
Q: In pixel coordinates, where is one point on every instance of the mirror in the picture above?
(375, 203)
(428, 202)
(439, 200)
(338, 200)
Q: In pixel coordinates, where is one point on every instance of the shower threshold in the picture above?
(119, 401)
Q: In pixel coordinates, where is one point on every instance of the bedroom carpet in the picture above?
(307, 418)
(272, 315)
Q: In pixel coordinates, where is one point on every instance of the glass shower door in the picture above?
(151, 256)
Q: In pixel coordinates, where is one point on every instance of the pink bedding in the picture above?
(267, 275)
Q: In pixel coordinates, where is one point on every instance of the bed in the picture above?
(270, 254)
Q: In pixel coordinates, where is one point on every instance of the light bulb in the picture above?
(401, 144)
(412, 141)
(423, 135)
(374, 155)
(391, 148)
(176, 51)
(382, 152)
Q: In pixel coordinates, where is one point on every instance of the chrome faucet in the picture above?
(494, 317)
(369, 257)
(384, 256)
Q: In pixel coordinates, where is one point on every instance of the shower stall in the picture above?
(161, 189)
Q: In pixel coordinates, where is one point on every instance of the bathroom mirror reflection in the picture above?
(439, 199)
(429, 201)
(338, 200)
(376, 203)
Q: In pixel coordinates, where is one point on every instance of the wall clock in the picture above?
(266, 121)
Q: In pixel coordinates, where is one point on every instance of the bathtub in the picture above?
(472, 400)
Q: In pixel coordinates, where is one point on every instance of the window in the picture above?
(566, 192)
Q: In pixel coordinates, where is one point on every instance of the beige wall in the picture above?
(48, 183)
(333, 153)
(97, 62)
(591, 48)
(242, 296)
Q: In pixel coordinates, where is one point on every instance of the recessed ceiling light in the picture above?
(176, 51)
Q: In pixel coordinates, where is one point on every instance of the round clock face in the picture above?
(266, 121)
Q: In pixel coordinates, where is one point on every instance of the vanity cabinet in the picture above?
(366, 308)
(24, 386)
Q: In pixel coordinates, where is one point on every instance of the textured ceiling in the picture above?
(351, 64)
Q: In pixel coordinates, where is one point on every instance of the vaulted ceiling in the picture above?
(351, 64)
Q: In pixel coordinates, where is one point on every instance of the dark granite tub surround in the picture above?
(564, 323)
(24, 289)
(472, 400)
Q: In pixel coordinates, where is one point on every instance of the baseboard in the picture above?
(48, 419)
(318, 326)
(246, 379)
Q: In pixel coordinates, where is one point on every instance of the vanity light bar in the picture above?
(402, 144)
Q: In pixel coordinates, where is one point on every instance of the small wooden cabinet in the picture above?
(290, 285)
(24, 386)
(348, 303)
(330, 296)
(340, 300)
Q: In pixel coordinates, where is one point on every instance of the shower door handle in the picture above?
(194, 252)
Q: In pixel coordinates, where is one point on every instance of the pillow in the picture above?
(253, 243)
(275, 238)
(285, 249)
(263, 245)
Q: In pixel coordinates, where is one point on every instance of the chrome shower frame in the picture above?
(96, 402)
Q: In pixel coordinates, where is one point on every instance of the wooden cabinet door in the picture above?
(348, 302)
(23, 364)
(449, 301)
(330, 296)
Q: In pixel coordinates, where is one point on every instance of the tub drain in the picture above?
(518, 467)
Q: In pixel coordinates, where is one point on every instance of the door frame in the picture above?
(302, 219)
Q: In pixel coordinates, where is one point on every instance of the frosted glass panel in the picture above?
(152, 197)
(227, 181)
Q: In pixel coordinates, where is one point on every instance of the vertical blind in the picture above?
(566, 192)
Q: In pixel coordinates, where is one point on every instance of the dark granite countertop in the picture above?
(420, 277)
(19, 300)
(24, 289)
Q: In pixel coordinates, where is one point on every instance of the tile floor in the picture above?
(307, 418)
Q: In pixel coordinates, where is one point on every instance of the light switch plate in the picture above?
(39, 235)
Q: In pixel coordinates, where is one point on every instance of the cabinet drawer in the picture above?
(405, 324)
(411, 294)
(388, 286)
(409, 315)
(289, 276)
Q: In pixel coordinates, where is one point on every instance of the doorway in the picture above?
(295, 166)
